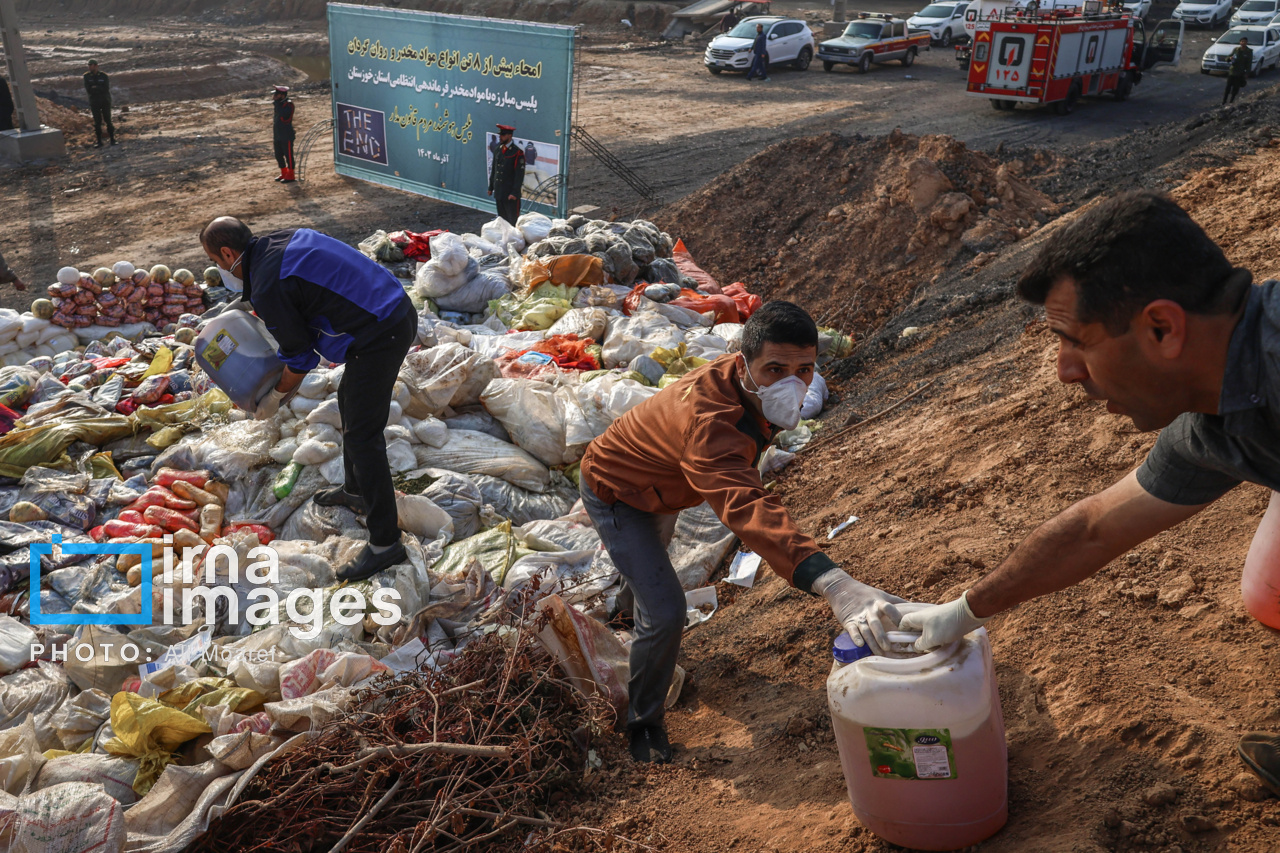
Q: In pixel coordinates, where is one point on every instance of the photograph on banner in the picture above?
(417, 97)
(541, 167)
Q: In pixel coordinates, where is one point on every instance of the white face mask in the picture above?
(780, 401)
(232, 282)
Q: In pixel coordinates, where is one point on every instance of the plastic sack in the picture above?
(432, 282)
(449, 254)
(533, 226)
(420, 516)
(501, 233)
(536, 415)
(474, 295)
(496, 549)
(815, 398)
(149, 731)
(583, 322)
(431, 431)
(609, 397)
(458, 496)
(522, 506)
(442, 376)
(640, 334)
(16, 640)
(115, 775)
(72, 817)
(748, 303)
(470, 452)
(702, 280)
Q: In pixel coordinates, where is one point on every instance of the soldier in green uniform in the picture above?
(1241, 65)
(98, 87)
(506, 177)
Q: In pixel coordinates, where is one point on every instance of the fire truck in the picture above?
(1056, 56)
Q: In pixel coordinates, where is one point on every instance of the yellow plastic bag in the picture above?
(209, 691)
(496, 549)
(149, 731)
(162, 363)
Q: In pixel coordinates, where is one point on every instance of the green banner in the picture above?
(417, 97)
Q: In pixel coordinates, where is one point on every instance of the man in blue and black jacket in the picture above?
(320, 297)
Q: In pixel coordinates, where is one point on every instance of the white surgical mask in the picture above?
(780, 401)
(231, 281)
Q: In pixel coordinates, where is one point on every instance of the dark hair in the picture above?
(780, 323)
(226, 232)
(1130, 250)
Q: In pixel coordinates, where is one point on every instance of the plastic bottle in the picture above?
(239, 356)
(921, 741)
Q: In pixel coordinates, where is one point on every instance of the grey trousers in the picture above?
(637, 541)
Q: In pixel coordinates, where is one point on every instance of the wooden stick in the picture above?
(370, 815)
(877, 416)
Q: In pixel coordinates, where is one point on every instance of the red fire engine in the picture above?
(1024, 55)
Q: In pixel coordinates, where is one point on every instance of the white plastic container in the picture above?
(921, 741)
(239, 355)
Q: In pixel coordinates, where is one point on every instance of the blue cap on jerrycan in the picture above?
(845, 651)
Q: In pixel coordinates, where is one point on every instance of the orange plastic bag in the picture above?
(575, 270)
(725, 308)
(748, 303)
(684, 262)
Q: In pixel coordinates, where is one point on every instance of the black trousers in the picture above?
(284, 153)
(364, 401)
(102, 114)
(1234, 85)
(508, 208)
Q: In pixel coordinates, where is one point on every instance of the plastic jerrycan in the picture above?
(921, 740)
(239, 355)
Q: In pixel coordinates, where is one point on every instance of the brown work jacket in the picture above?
(698, 441)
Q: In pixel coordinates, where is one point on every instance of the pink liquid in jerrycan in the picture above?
(921, 741)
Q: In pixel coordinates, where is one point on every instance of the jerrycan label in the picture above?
(910, 753)
(219, 349)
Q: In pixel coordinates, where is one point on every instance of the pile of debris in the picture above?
(173, 708)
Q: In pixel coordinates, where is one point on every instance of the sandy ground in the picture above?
(1142, 676)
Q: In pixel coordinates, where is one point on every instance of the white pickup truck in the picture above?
(872, 38)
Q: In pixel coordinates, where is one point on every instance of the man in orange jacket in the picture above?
(699, 440)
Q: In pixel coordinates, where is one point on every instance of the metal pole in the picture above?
(15, 61)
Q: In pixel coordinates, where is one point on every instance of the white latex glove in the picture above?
(942, 623)
(268, 405)
(864, 611)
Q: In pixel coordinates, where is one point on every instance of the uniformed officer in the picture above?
(506, 178)
(98, 88)
(282, 133)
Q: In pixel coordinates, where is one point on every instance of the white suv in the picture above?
(1255, 13)
(788, 39)
(1207, 13)
(943, 21)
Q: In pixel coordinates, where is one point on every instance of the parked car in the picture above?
(873, 38)
(789, 40)
(1255, 13)
(1206, 13)
(1138, 8)
(943, 21)
(1265, 42)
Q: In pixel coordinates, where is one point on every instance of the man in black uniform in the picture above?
(99, 90)
(282, 133)
(6, 105)
(506, 178)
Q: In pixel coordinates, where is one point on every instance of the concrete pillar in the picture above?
(838, 13)
(31, 140)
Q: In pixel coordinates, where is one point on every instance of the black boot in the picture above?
(367, 563)
(339, 496)
(98, 144)
(649, 745)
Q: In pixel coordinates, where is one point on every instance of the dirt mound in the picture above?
(64, 118)
(849, 227)
(1236, 204)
